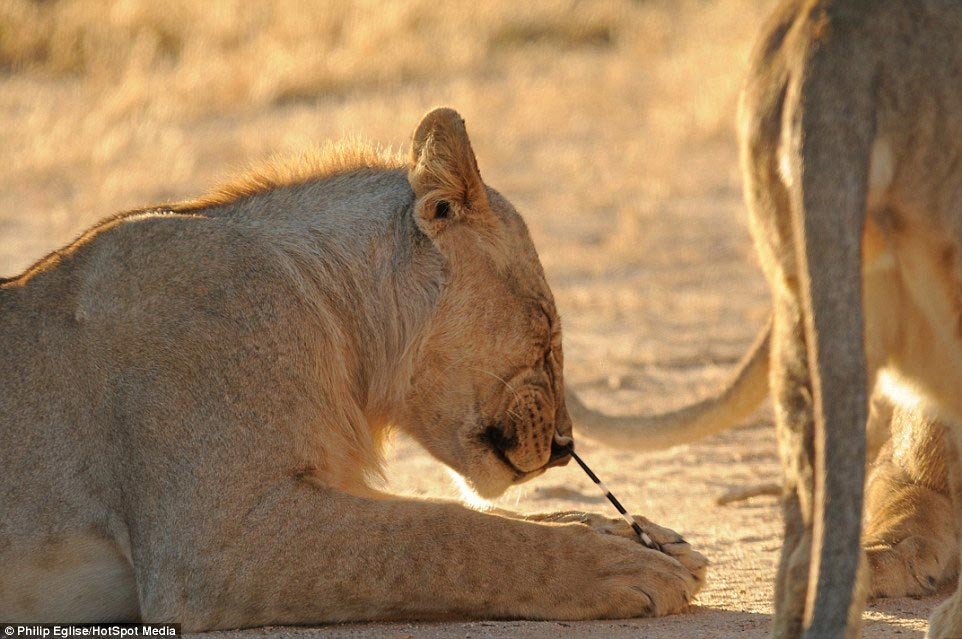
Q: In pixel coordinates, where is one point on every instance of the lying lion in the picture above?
(192, 398)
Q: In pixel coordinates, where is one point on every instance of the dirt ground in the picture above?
(609, 124)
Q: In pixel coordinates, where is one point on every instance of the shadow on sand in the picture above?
(886, 619)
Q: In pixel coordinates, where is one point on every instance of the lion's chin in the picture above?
(490, 485)
(491, 476)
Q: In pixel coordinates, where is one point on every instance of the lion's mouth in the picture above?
(493, 438)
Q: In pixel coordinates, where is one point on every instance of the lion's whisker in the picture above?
(497, 377)
(511, 388)
(513, 414)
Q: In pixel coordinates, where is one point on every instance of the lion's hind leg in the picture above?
(794, 425)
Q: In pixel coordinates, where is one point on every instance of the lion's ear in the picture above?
(443, 171)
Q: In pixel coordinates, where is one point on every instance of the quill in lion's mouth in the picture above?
(642, 535)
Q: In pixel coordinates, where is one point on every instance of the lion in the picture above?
(850, 129)
(193, 400)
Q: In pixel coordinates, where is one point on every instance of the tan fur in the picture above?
(911, 539)
(850, 127)
(723, 410)
(192, 399)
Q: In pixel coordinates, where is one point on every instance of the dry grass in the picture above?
(106, 105)
(239, 54)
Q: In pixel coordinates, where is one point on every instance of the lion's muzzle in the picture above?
(530, 422)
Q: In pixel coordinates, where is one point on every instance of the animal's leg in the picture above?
(911, 543)
(794, 422)
(910, 539)
(306, 554)
(946, 620)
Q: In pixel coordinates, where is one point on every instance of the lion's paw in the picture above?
(672, 544)
(910, 568)
(668, 581)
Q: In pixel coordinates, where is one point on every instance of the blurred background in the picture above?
(609, 124)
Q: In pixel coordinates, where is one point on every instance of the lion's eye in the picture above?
(442, 210)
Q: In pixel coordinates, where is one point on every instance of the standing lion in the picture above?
(851, 143)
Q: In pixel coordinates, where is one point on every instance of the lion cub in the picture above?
(192, 398)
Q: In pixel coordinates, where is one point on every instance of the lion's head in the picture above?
(488, 396)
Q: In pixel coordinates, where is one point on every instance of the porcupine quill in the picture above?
(642, 535)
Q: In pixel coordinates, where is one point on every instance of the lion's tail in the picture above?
(724, 410)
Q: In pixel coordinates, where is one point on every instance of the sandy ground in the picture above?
(610, 126)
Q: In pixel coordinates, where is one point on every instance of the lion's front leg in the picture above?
(911, 541)
(313, 555)
(945, 621)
